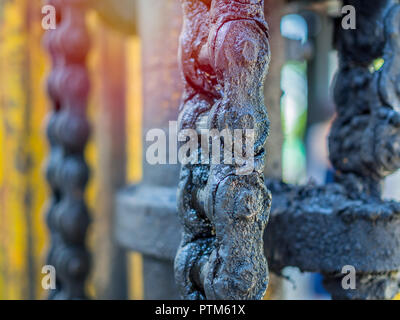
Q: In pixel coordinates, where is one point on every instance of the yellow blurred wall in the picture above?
(23, 149)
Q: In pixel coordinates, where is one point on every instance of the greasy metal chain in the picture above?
(365, 140)
(224, 56)
(68, 132)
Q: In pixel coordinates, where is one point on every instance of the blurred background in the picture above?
(23, 146)
(301, 123)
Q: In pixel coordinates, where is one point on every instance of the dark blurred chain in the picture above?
(365, 137)
(68, 132)
(365, 140)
